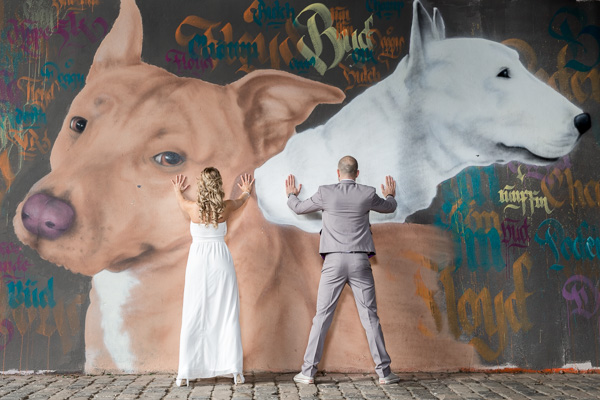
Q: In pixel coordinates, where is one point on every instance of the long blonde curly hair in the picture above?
(211, 196)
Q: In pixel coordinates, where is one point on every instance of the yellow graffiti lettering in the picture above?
(567, 81)
(580, 195)
(340, 43)
(427, 295)
(523, 198)
(323, 14)
(474, 310)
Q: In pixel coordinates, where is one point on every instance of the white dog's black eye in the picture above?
(168, 158)
(78, 124)
(504, 73)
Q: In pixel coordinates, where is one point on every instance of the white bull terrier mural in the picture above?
(450, 104)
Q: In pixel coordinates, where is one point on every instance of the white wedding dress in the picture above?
(210, 342)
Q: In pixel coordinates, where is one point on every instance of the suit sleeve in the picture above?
(312, 204)
(386, 206)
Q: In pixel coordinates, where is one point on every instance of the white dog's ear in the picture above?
(421, 33)
(274, 103)
(123, 44)
(439, 27)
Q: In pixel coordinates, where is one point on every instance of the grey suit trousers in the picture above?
(355, 270)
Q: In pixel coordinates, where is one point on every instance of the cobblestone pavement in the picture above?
(447, 386)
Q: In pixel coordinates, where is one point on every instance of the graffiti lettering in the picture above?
(362, 77)
(27, 36)
(476, 235)
(581, 195)
(385, 9)
(340, 17)
(70, 28)
(274, 16)
(473, 310)
(302, 66)
(30, 118)
(363, 56)
(584, 246)
(51, 72)
(61, 5)
(9, 268)
(183, 63)
(568, 81)
(219, 50)
(515, 233)
(474, 232)
(22, 121)
(580, 290)
(35, 92)
(561, 29)
(467, 187)
(29, 142)
(482, 242)
(27, 294)
(273, 52)
(525, 197)
(30, 38)
(538, 172)
(390, 47)
(62, 318)
(323, 28)
(19, 128)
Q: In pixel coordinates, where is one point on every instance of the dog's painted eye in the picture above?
(504, 73)
(78, 124)
(168, 158)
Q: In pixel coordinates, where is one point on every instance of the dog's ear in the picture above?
(275, 102)
(123, 44)
(439, 27)
(421, 33)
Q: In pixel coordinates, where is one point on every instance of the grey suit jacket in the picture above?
(345, 207)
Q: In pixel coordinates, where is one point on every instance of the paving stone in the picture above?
(424, 386)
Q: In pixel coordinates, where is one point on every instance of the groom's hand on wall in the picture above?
(290, 186)
(390, 189)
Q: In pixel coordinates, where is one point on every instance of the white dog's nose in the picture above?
(583, 122)
(47, 216)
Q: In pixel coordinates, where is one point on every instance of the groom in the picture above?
(346, 245)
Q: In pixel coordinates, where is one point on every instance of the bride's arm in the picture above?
(179, 187)
(246, 187)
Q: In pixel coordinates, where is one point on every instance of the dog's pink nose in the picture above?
(47, 216)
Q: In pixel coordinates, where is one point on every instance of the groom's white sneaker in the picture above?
(391, 378)
(301, 378)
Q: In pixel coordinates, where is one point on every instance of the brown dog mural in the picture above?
(106, 210)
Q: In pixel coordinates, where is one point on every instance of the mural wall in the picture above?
(486, 114)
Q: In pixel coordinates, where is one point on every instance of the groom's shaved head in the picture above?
(348, 166)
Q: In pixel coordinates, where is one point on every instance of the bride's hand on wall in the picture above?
(246, 183)
(179, 183)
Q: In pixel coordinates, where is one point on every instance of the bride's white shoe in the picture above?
(238, 378)
(178, 382)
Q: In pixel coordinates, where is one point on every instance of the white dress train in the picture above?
(210, 342)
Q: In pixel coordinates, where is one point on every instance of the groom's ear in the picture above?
(274, 103)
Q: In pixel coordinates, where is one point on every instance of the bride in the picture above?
(210, 342)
